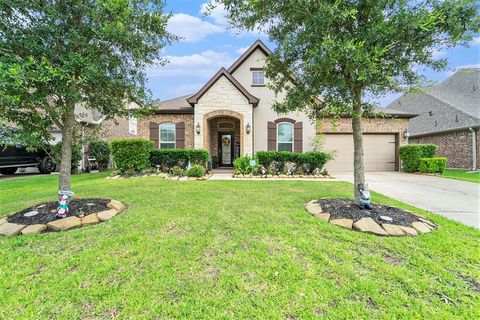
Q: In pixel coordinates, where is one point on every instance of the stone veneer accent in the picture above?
(223, 99)
(144, 123)
(370, 125)
(456, 146)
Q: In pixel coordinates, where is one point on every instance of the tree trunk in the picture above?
(66, 152)
(358, 163)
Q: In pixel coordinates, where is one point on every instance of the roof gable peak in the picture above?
(256, 45)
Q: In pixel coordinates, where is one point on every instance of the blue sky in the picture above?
(208, 44)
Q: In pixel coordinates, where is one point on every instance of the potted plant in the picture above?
(214, 162)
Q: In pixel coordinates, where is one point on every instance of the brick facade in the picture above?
(370, 125)
(144, 126)
(456, 146)
(116, 128)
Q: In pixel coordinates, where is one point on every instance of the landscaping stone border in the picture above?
(366, 224)
(159, 175)
(283, 176)
(12, 229)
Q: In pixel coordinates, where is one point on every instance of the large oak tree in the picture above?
(56, 54)
(344, 50)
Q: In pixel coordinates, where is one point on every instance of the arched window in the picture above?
(167, 136)
(285, 136)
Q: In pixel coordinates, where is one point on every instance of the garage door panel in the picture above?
(379, 152)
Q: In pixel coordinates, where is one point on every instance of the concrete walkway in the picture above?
(454, 199)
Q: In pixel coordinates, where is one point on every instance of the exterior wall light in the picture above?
(406, 134)
(197, 128)
(248, 128)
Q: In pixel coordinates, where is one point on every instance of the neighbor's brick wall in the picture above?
(144, 125)
(116, 128)
(370, 125)
(456, 146)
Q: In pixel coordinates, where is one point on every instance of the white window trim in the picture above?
(257, 84)
(293, 134)
(132, 125)
(174, 135)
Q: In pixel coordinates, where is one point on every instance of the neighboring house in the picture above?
(449, 116)
(232, 115)
(91, 119)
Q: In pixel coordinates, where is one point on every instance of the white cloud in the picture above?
(190, 28)
(438, 53)
(242, 50)
(218, 14)
(203, 65)
(466, 66)
(476, 41)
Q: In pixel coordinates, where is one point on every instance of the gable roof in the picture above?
(256, 45)
(175, 106)
(453, 104)
(223, 73)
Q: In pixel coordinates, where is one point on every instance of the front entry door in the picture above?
(225, 148)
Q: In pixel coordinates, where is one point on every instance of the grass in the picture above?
(462, 174)
(229, 249)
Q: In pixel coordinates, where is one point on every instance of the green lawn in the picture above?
(462, 174)
(229, 249)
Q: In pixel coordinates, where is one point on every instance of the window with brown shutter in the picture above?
(154, 134)
(180, 135)
(272, 136)
(298, 137)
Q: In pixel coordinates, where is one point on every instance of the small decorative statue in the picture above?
(290, 167)
(64, 198)
(263, 172)
(364, 201)
(317, 172)
(275, 168)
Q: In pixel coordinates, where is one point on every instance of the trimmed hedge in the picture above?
(101, 151)
(311, 159)
(196, 171)
(433, 165)
(131, 154)
(411, 154)
(178, 157)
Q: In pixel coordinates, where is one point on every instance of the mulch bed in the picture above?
(46, 211)
(344, 208)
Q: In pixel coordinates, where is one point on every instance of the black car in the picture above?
(14, 157)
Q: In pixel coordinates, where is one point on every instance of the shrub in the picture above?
(196, 171)
(241, 165)
(178, 171)
(76, 154)
(178, 157)
(433, 165)
(131, 154)
(307, 160)
(411, 154)
(101, 151)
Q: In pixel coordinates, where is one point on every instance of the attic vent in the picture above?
(435, 123)
(430, 113)
(456, 118)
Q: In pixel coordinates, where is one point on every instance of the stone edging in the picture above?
(283, 176)
(160, 175)
(370, 226)
(12, 229)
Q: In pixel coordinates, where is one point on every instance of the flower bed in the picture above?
(41, 218)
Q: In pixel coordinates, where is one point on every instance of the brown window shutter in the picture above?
(154, 134)
(272, 136)
(298, 137)
(180, 135)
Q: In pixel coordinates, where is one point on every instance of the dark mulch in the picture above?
(344, 208)
(46, 211)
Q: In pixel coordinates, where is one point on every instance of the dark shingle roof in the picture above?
(175, 105)
(455, 103)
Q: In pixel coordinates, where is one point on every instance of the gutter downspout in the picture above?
(474, 148)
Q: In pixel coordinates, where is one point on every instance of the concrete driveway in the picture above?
(454, 199)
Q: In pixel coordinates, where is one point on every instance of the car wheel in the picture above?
(46, 165)
(8, 170)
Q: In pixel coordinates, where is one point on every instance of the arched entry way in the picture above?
(223, 135)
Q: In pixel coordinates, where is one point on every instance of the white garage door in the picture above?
(379, 152)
